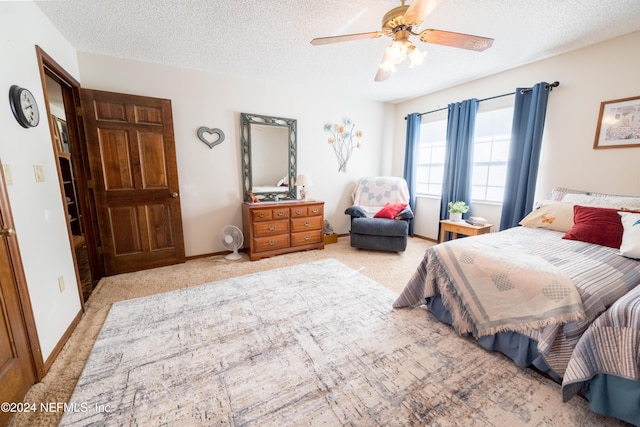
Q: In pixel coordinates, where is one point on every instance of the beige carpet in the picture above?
(388, 269)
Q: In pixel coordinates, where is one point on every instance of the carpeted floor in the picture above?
(372, 366)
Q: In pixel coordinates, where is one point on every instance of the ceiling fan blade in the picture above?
(462, 41)
(346, 38)
(383, 72)
(418, 10)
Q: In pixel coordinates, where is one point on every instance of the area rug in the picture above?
(312, 344)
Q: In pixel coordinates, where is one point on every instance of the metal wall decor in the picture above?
(208, 136)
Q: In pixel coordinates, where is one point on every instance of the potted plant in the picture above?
(456, 209)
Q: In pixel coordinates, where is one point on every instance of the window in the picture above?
(430, 168)
(490, 155)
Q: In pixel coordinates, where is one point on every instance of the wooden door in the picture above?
(132, 160)
(17, 372)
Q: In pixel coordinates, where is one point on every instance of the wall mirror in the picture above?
(269, 156)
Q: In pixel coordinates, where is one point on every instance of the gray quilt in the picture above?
(610, 346)
(600, 275)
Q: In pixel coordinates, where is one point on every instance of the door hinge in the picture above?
(79, 111)
(100, 250)
(90, 183)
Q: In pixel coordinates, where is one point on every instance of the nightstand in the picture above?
(462, 227)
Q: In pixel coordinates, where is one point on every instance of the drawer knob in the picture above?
(272, 242)
(307, 237)
(262, 215)
(315, 211)
(306, 224)
(272, 227)
(280, 213)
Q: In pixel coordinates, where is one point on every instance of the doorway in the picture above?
(68, 182)
(62, 94)
(121, 155)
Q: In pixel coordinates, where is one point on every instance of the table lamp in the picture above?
(303, 181)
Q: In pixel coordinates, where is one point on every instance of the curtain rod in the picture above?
(547, 86)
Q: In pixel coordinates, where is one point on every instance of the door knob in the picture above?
(174, 194)
(7, 232)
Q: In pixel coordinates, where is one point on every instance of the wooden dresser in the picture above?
(282, 227)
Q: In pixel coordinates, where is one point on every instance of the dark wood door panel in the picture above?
(127, 236)
(7, 352)
(117, 168)
(130, 234)
(108, 107)
(17, 374)
(132, 158)
(160, 229)
(153, 165)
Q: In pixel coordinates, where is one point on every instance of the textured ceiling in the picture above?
(269, 40)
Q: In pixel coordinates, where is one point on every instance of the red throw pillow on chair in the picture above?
(390, 210)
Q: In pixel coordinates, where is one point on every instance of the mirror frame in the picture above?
(246, 120)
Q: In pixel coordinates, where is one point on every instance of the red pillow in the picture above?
(601, 226)
(390, 210)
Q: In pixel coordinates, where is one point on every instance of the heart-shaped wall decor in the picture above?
(208, 136)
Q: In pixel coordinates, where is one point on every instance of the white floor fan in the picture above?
(231, 238)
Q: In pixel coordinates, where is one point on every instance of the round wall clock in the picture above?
(24, 106)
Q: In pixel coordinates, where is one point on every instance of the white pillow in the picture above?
(630, 246)
(614, 202)
(551, 215)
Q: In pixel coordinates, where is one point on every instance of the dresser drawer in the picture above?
(280, 213)
(271, 243)
(304, 211)
(270, 228)
(306, 237)
(299, 212)
(261, 215)
(315, 210)
(305, 224)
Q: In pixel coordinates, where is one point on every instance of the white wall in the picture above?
(587, 76)
(210, 179)
(37, 207)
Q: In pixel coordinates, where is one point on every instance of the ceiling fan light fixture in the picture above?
(396, 52)
(402, 22)
(416, 57)
(387, 66)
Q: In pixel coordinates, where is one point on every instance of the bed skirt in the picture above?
(614, 396)
(519, 348)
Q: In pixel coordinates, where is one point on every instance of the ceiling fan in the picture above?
(400, 23)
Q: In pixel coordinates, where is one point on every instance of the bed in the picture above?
(605, 365)
(533, 292)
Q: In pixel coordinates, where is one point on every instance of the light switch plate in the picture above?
(38, 170)
(8, 178)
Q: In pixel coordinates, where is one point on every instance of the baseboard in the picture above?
(189, 258)
(425, 238)
(65, 337)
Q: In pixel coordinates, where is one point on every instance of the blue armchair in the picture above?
(383, 234)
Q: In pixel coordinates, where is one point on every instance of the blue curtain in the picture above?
(458, 162)
(411, 159)
(524, 153)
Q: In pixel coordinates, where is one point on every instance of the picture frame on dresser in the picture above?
(618, 124)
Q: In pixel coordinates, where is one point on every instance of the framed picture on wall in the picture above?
(618, 124)
(64, 134)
